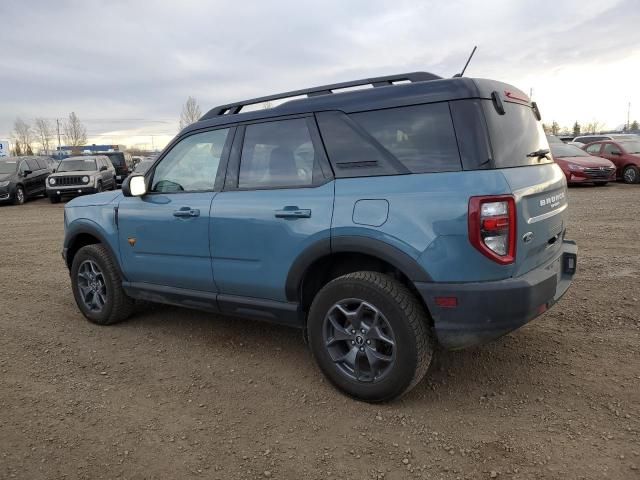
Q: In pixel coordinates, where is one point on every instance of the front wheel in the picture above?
(370, 336)
(97, 286)
(99, 187)
(631, 174)
(19, 197)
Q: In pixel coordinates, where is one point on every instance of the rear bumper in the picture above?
(488, 310)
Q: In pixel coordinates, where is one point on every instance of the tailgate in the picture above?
(541, 202)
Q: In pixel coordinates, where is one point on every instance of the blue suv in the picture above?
(382, 216)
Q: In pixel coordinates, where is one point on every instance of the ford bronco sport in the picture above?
(379, 220)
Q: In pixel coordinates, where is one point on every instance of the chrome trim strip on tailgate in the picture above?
(550, 214)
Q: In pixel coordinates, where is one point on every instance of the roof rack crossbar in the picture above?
(236, 107)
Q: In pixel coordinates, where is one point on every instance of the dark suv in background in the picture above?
(122, 163)
(22, 178)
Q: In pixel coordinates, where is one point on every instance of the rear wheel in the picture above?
(97, 286)
(19, 197)
(370, 336)
(631, 174)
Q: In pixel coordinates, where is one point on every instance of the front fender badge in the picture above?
(132, 241)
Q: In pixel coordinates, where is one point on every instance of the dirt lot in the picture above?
(180, 394)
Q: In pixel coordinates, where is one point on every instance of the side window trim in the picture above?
(223, 160)
(233, 168)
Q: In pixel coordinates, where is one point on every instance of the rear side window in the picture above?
(277, 154)
(516, 136)
(421, 137)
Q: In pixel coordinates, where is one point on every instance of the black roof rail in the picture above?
(233, 108)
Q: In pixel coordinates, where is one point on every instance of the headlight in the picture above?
(52, 181)
(85, 179)
(574, 167)
(4, 184)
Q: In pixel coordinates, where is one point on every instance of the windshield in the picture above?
(8, 167)
(558, 150)
(631, 146)
(83, 165)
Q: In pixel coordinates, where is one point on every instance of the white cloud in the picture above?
(140, 60)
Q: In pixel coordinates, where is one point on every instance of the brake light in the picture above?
(492, 227)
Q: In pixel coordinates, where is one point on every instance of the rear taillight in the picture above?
(492, 227)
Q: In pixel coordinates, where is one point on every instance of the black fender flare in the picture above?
(74, 231)
(351, 244)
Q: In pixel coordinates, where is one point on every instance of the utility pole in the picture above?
(629, 116)
(58, 124)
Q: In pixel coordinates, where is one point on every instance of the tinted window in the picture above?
(33, 164)
(594, 149)
(515, 135)
(277, 154)
(609, 148)
(192, 164)
(42, 163)
(421, 137)
(117, 158)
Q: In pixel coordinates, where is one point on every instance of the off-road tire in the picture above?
(407, 318)
(118, 305)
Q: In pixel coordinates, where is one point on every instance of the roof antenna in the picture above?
(466, 64)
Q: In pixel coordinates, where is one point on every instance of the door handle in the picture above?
(293, 212)
(187, 212)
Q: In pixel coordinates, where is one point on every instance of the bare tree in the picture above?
(22, 135)
(593, 127)
(44, 132)
(74, 131)
(190, 113)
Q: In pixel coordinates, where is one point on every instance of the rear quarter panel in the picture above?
(427, 219)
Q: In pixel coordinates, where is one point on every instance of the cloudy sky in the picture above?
(126, 67)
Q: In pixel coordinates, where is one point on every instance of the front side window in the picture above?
(611, 149)
(277, 154)
(594, 149)
(33, 164)
(421, 137)
(192, 164)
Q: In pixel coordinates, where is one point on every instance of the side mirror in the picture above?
(103, 168)
(27, 172)
(53, 171)
(134, 186)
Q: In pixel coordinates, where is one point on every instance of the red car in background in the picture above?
(625, 154)
(580, 167)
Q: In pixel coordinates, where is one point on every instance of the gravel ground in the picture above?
(175, 393)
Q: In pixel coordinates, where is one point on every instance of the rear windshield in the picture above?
(116, 158)
(516, 137)
(631, 146)
(84, 165)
